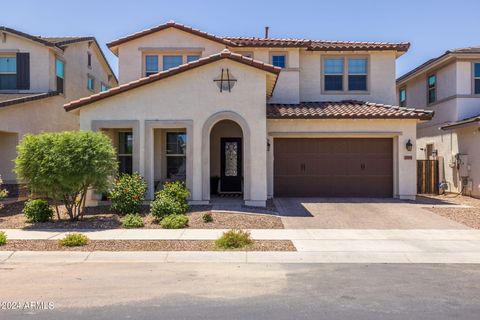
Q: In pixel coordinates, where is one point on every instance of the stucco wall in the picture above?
(381, 78)
(40, 64)
(8, 142)
(468, 143)
(195, 97)
(399, 130)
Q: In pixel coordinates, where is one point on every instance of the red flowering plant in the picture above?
(127, 193)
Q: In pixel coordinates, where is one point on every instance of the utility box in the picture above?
(462, 165)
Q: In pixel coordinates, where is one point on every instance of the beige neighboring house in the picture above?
(450, 86)
(38, 75)
(267, 117)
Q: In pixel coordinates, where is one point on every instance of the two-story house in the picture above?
(38, 75)
(449, 85)
(268, 117)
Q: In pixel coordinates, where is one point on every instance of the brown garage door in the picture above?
(334, 167)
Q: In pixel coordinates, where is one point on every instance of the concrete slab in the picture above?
(19, 234)
(48, 257)
(207, 256)
(152, 234)
(202, 234)
(4, 255)
(94, 234)
(356, 245)
(358, 213)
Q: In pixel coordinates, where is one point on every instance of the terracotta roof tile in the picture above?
(319, 45)
(225, 54)
(349, 109)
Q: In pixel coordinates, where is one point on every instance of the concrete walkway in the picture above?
(313, 246)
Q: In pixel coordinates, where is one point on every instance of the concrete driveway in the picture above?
(360, 213)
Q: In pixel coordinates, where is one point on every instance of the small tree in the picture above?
(64, 165)
(3, 193)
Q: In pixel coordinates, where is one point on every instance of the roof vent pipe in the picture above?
(266, 32)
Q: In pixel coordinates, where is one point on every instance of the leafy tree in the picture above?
(64, 165)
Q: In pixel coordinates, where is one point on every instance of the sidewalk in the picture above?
(313, 246)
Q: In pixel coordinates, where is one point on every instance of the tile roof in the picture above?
(9, 99)
(462, 123)
(348, 109)
(319, 45)
(447, 54)
(225, 54)
(62, 41)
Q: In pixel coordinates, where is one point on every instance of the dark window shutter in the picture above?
(23, 71)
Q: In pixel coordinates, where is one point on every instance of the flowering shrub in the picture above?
(171, 200)
(127, 193)
(3, 193)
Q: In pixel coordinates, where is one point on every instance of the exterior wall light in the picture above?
(268, 144)
(409, 145)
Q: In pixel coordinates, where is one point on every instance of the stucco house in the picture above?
(269, 117)
(38, 75)
(450, 86)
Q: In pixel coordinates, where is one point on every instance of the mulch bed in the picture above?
(100, 217)
(142, 245)
(467, 216)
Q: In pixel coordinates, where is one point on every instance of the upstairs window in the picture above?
(279, 61)
(402, 97)
(192, 58)
(333, 74)
(89, 59)
(476, 78)
(91, 83)
(151, 65)
(171, 62)
(432, 88)
(60, 75)
(357, 74)
(103, 87)
(8, 73)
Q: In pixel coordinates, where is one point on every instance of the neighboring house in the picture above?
(450, 86)
(38, 75)
(269, 117)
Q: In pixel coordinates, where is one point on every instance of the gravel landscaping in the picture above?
(467, 216)
(101, 217)
(142, 245)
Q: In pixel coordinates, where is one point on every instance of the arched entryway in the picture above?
(226, 155)
(226, 158)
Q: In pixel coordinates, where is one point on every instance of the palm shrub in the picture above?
(127, 193)
(38, 210)
(64, 165)
(3, 193)
(172, 199)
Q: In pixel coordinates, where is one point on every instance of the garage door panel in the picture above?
(333, 167)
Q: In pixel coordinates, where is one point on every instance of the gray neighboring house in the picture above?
(450, 86)
(38, 75)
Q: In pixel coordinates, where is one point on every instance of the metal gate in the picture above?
(427, 176)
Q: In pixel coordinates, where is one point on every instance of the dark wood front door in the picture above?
(336, 167)
(231, 165)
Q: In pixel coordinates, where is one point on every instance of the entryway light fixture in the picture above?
(409, 145)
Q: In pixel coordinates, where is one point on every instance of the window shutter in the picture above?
(23, 71)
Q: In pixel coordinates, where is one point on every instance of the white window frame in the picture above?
(400, 97)
(430, 89)
(345, 74)
(173, 155)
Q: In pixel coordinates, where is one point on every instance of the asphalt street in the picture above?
(240, 291)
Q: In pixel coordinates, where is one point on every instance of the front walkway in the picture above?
(361, 213)
(313, 245)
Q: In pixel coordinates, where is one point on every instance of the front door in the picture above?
(231, 165)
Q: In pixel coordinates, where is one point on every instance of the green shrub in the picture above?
(74, 240)
(174, 221)
(3, 238)
(233, 239)
(3, 193)
(64, 165)
(132, 220)
(38, 210)
(171, 200)
(127, 193)
(207, 217)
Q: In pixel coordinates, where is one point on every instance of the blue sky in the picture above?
(431, 26)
